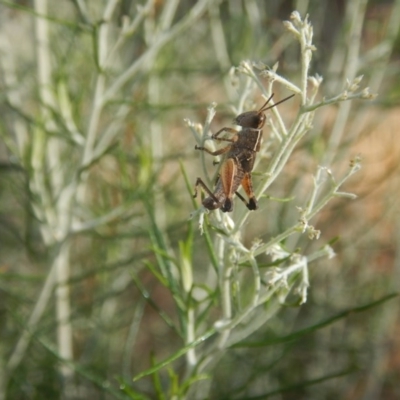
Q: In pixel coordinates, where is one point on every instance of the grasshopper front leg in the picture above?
(214, 153)
(215, 136)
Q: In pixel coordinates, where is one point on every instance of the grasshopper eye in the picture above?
(261, 121)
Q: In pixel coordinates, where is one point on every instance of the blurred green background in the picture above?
(111, 210)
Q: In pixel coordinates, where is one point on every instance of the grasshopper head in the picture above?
(250, 119)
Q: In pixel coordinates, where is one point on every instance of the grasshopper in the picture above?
(236, 168)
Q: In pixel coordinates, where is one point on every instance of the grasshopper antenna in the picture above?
(266, 103)
(262, 109)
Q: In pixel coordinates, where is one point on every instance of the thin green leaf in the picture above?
(201, 377)
(164, 254)
(302, 385)
(146, 295)
(132, 393)
(157, 381)
(174, 386)
(101, 382)
(189, 186)
(299, 334)
(154, 271)
(268, 265)
(30, 10)
(278, 199)
(210, 247)
(176, 355)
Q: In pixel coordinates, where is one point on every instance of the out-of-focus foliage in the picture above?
(97, 254)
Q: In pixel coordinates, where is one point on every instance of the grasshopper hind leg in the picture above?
(248, 188)
(251, 204)
(211, 202)
(228, 206)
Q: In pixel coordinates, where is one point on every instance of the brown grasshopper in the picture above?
(236, 168)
